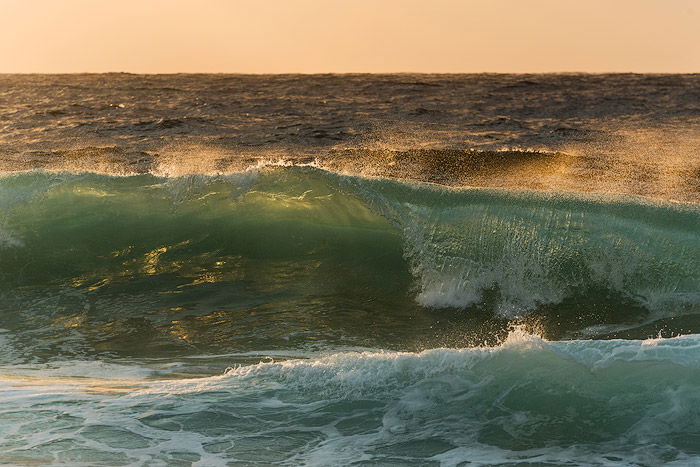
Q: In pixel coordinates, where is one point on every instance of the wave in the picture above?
(528, 400)
(94, 248)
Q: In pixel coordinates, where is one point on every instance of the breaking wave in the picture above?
(506, 251)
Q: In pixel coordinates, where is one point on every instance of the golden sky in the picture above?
(315, 36)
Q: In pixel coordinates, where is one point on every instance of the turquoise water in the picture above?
(290, 315)
(528, 401)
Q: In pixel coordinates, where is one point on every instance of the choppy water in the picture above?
(350, 270)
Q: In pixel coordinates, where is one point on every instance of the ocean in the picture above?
(366, 270)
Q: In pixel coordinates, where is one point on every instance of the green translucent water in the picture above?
(363, 321)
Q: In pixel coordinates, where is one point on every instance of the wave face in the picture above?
(366, 270)
(527, 401)
(288, 256)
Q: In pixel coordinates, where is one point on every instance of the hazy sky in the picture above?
(310, 36)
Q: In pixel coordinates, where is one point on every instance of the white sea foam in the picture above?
(442, 405)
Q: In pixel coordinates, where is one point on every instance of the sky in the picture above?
(322, 36)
